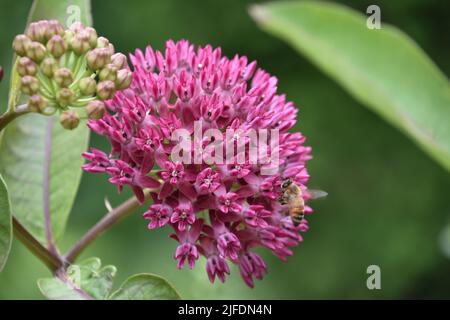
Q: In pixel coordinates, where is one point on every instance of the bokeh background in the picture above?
(388, 202)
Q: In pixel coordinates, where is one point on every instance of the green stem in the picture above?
(9, 116)
(110, 219)
(52, 260)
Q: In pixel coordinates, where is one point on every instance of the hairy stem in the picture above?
(52, 260)
(111, 218)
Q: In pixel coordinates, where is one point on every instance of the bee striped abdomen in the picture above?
(297, 214)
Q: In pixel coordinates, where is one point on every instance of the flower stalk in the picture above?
(52, 260)
(110, 219)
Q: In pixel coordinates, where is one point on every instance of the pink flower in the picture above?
(158, 214)
(183, 215)
(187, 250)
(228, 245)
(228, 203)
(217, 266)
(251, 266)
(176, 89)
(255, 216)
(99, 161)
(207, 181)
(173, 173)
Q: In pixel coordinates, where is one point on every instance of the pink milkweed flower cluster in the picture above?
(219, 211)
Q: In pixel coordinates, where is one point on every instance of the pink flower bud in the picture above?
(95, 109)
(63, 77)
(36, 51)
(69, 119)
(37, 103)
(65, 97)
(29, 85)
(88, 86)
(20, 44)
(26, 67)
(106, 90)
(56, 46)
(124, 78)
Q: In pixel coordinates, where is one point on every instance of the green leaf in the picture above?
(145, 287)
(384, 69)
(88, 280)
(39, 160)
(61, 289)
(84, 281)
(95, 281)
(5, 224)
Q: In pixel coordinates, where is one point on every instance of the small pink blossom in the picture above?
(252, 266)
(228, 203)
(183, 215)
(159, 215)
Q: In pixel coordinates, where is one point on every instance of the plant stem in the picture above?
(9, 116)
(51, 260)
(111, 218)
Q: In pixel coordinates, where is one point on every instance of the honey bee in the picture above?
(292, 195)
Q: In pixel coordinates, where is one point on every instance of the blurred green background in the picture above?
(388, 202)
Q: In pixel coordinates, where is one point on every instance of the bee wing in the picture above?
(317, 194)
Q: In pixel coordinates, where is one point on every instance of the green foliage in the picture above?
(41, 164)
(84, 281)
(96, 281)
(5, 224)
(39, 160)
(145, 287)
(61, 289)
(383, 69)
(88, 280)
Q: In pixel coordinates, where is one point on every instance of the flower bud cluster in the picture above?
(68, 71)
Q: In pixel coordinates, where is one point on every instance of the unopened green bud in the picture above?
(63, 77)
(120, 60)
(95, 109)
(68, 36)
(77, 27)
(49, 66)
(102, 42)
(80, 43)
(20, 44)
(54, 27)
(106, 90)
(37, 103)
(29, 85)
(36, 31)
(92, 36)
(36, 51)
(26, 67)
(88, 86)
(124, 78)
(109, 72)
(69, 119)
(111, 49)
(98, 58)
(56, 46)
(65, 97)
